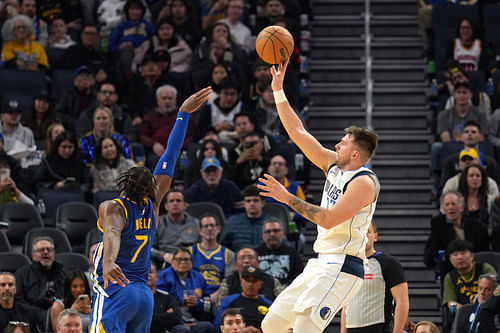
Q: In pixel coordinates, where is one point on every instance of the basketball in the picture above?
(274, 44)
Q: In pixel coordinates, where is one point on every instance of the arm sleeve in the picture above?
(448, 290)
(392, 271)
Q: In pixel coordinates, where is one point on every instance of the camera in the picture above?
(249, 145)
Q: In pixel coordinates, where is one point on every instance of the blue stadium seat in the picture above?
(101, 196)
(29, 82)
(62, 79)
(53, 198)
(491, 17)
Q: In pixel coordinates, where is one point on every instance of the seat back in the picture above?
(101, 196)
(4, 242)
(92, 237)
(76, 219)
(280, 212)
(73, 261)
(53, 198)
(21, 217)
(61, 241)
(198, 209)
(491, 17)
(461, 321)
(55, 56)
(11, 261)
(29, 82)
(492, 258)
(62, 79)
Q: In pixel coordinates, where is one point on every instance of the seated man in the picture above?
(275, 257)
(231, 321)
(253, 307)
(487, 284)
(448, 226)
(461, 283)
(245, 228)
(175, 229)
(190, 289)
(13, 310)
(213, 187)
(231, 284)
(42, 281)
(16, 137)
(166, 313)
(253, 161)
(213, 260)
(69, 321)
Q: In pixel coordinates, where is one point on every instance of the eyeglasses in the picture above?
(44, 249)
(206, 226)
(268, 231)
(20, 27)
(107, 92)
(19, 323)
(278, 163)
(182, 259)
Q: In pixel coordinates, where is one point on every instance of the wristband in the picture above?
(279, 96)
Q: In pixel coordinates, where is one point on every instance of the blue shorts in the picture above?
(128, 310)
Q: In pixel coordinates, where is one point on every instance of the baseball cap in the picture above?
(210, 162)
(252, 271)
(462, 84)
(82, 69)
(470, 152)
(43, 94)
(11, 106)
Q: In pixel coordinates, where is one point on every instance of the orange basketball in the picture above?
(274, 44)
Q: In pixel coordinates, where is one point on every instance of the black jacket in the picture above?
(37, 286)
(22, 312)
(163, 320)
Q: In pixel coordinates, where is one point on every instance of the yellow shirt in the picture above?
(27, 56)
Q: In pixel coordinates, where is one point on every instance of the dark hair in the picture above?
(68, 296)
(244, 114)
(253, 133)
(472, 123)
(217, 147)
(182, 249)
(217, 222)
(227, 83)
(230, 312)
(459, 245)
(64, 136)
(169, 21)
(250, 191)
(374, 226)
(211, 30)
(99, 161)
(11, 326)
(463, 187)
(473, 26)
(135, 3)
(365, 139)
(106, 82)
(137, 183)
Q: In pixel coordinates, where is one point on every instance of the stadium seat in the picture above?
(92, 237)
(76, 219)
(62, 79)
(461, 322)
(280, 212)
(477, 80)
(11, 261)
(53, 198)
(101, 196)
(492, 258)
(61, 241)
(29, 82)
(21, 217)
(55, 56)
(73, 261)
(491, 17)
(197, 209)
(4, 242)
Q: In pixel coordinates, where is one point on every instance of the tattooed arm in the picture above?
(359, 193)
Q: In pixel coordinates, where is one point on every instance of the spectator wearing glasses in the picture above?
(69, 321)
(15, 313)
(275, 257)
(42, 281)
(17, 327)
(190, 289)
(86, 53)
(487, 285)
(107, 96)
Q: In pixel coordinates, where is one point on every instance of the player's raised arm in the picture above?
(164, 170)
(311, 147)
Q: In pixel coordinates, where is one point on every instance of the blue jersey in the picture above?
(135, 246)
(211, 265)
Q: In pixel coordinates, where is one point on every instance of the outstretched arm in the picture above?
(315, 152)
(164, 170)
(360, 193)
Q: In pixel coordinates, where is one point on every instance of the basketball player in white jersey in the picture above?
(349, 197)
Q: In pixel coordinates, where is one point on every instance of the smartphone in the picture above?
(83, 297)
(70, 179)
(4, 174)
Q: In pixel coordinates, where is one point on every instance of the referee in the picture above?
(371, 310)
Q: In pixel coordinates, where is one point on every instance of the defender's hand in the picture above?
(193, 102)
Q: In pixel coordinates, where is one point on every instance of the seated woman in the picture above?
(76, 297)
(103, 127)
(468, 50)
(41, 116)
(473, 184)
(52, 132)
(63, 167)
(9, 190)
(23, 53)
(109, 163)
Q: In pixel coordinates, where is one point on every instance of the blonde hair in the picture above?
(432, 327)
(109, 112)
(48, 136)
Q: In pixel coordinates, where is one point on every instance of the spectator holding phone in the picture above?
(76, 297)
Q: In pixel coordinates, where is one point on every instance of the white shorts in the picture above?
(326, 285)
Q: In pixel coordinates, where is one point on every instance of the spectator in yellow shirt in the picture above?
(23, 53)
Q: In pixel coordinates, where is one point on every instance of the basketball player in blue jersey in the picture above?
(350, 193)
(122, 301)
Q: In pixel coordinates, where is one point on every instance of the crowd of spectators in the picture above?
(114, 73)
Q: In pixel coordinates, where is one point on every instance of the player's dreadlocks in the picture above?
(137, 183)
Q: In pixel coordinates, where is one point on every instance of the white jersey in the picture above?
(468, 57)
(349, 237)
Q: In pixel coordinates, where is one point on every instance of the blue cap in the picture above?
(1, 137)
(82, 69)
(210, 162)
